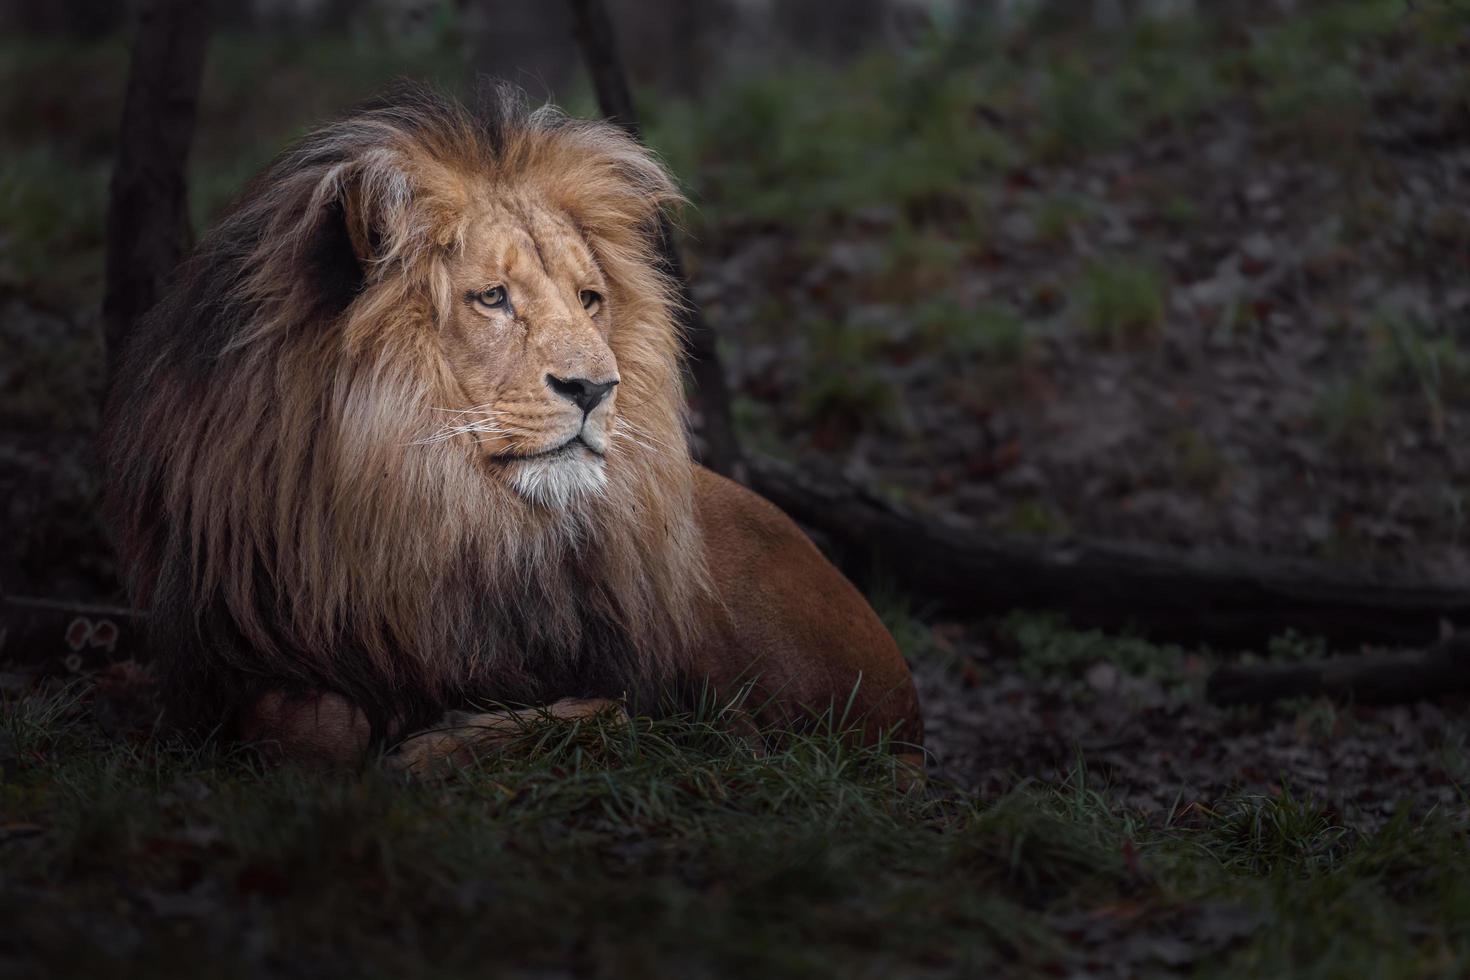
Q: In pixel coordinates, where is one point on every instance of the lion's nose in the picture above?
(582, 392)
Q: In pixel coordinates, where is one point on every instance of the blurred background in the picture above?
(1196, 274)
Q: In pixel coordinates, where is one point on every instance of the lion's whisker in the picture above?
(638, 436)
(448, 432)
(634, 440)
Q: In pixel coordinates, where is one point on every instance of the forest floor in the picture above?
(1204, 284)
(1198, 283)
(1087, 816)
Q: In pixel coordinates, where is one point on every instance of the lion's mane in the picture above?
(280, 505)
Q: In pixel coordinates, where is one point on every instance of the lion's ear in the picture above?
(397, 205)
(363, 230)
(341, 244)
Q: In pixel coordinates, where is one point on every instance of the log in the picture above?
(720, 449)
(1228, 601)
(1394, 678)
(148, 207)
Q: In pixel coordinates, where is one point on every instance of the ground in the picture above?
(1087, 816)
(1200, 283)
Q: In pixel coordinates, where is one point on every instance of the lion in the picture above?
(406, 435)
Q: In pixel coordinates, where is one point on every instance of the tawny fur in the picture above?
(298, 496)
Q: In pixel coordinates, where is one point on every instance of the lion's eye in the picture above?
(591, 300)
(494, 298)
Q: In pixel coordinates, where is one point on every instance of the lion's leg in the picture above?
(462, 736)
(319, 729)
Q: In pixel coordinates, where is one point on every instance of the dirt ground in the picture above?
(1134, 718)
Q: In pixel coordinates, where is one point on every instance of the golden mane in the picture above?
(281, 504)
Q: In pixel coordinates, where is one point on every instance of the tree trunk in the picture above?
(719, 449)
(148, 214)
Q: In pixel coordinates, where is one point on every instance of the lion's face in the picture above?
(527, 343)
(371, 434)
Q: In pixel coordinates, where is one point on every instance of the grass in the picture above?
(991, 332)
(1407, 356)
(911, 127)
(1037, 518)
(1047, 647)
(1056, 216)
(1413, 355)
(1079, 117)
(668, 848)
(53, 212)
(1199, 462)
(1123, 301)
(1352, 415)
(845, 385)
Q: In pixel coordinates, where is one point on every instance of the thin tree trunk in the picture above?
(721, 448)
(148, 214)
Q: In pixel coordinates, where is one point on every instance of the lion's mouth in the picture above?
(575, 444)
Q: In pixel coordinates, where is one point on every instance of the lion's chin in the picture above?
(559, 481)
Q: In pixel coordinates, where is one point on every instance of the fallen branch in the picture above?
(1225, 601)
(1374, 679)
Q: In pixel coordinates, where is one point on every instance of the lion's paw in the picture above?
(463, 736)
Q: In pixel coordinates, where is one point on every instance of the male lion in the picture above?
(406, 434)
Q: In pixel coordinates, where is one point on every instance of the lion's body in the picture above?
(791, 620)
(369, 447)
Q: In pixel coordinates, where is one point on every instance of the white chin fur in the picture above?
(562, 481)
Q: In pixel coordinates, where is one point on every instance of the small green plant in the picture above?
(51, 210)
(853, 399)
(992, 333)
(1051, 648)
(1411, 354)
(1076, 115)
(1036, 517)
(1199, 461)
(911, 631)
(917, 266)
(1180, 211)
(1351, 414)
(1056, 215)
(1292, 646)
(1168, 75)
(1123, 301)
(845, 384)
